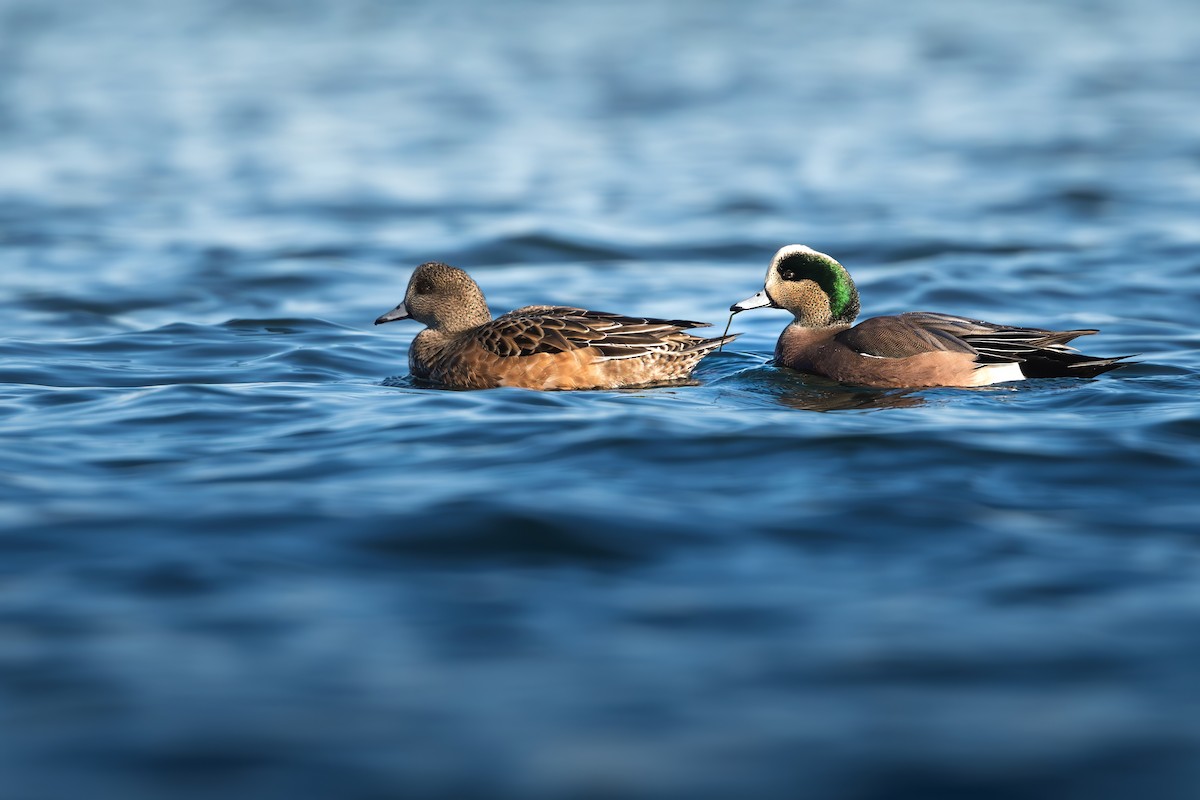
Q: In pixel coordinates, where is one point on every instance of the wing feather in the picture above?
(919, 332)
(557, 329)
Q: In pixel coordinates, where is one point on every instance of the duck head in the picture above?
(442, 297)
(813, 286)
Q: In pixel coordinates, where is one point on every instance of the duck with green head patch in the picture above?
(537, 347)
(916, 349)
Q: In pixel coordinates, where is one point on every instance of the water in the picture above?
(242, 556)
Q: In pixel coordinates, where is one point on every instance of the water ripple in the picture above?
(243, 551)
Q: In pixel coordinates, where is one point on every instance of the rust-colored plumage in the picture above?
(537, 347)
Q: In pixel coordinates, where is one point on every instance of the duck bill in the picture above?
(760, 300)
(399, 312)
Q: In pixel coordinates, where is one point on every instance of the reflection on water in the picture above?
(834, 400)
(814, 393)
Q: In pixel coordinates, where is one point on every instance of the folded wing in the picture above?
(557, 329)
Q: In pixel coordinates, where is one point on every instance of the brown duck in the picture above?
(920, 348)
(537, 347)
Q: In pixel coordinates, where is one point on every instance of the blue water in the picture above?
(242, 556)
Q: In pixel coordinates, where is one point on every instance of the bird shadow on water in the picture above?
(755, 385)
(811, 393)
(409, 382)
(405, 382)
(761, 384)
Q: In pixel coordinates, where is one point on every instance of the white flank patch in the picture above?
(998, 373)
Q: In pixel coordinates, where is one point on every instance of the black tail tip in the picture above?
(1071, 365)
(1099, 366)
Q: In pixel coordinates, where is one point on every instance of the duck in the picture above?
(917, 349)
(538, 347)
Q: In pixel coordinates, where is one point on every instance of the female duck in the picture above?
(537, 347)
(916, 349)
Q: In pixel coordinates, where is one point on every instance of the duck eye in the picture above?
(794, 269)
(422, 287)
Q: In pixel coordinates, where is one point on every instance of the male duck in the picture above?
(916, 349)
(537, 347)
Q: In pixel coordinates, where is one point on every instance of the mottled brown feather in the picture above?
(543, 347)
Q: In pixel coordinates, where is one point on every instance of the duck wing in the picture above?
(919, 332)
(557, 329)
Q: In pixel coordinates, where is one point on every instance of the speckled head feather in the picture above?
(445, 298)
(813, 286)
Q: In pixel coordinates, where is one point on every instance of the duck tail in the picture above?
(1053, 363)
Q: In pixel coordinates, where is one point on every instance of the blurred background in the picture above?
(241, 555)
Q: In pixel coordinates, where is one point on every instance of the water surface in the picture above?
(241, 554)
